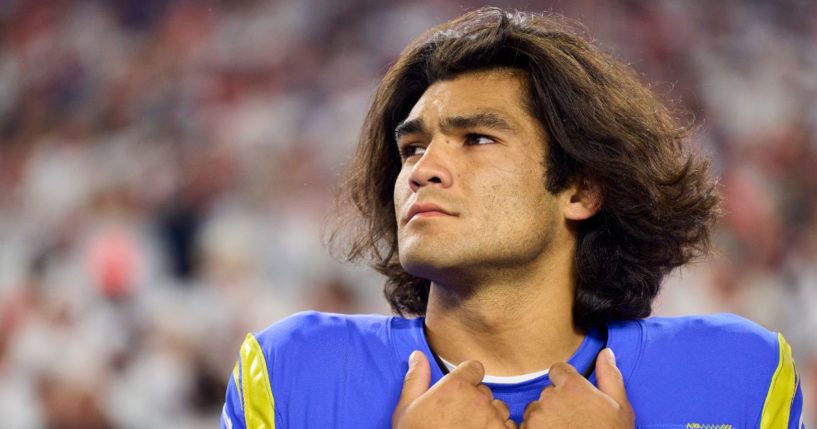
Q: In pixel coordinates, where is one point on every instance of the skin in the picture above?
(497, 253)
(459, 400)
(572, 402)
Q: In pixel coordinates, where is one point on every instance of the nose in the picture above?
(431, 169)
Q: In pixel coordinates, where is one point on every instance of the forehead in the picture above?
(502, 91)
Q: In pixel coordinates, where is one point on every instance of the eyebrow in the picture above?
(411, 126)
(488, 120)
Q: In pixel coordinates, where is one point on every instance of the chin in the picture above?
(428, 263)
(417, 258)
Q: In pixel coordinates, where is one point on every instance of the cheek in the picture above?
(401, 191)
(509, 192)
(516, 204)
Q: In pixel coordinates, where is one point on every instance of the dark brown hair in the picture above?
(604, 127)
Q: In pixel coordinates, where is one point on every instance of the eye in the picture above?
(478, 139)
(410, 150)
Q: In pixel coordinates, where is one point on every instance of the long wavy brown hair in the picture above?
(604, 126)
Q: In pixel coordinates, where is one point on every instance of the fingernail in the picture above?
(611, 357)
(413, 359)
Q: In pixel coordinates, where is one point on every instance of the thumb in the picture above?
(417, 380)
(471, 371)
(609, 378)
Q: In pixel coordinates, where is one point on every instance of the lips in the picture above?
(426, 209)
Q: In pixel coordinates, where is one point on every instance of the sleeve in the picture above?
(249, 401)
(232, 415)
(783, 407)
(796, 419)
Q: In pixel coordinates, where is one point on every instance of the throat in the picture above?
(583, 358)
(508, 353)
(522, 335)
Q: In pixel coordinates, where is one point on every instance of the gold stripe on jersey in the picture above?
(777, 407)
(237, 382)
(259, 404)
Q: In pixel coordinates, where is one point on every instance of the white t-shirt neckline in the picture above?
(497, 379)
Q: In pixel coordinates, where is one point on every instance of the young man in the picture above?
(525, 195)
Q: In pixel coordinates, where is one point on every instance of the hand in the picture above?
(459, 400)
(573, 402)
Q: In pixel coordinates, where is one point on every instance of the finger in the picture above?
(471, 371)
(609, 377)
(560, 372)
(417, 380)
(502, 408)
(545, 392)
(486, 391)
(528, 409)
(510, 424)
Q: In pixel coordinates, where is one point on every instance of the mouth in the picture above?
(425, 210)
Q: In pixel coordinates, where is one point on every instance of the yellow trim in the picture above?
(777, 407)
(259, 405)
(236, 376)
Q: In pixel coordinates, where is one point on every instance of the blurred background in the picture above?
(166, 169)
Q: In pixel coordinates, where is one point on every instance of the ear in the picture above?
(581, 200)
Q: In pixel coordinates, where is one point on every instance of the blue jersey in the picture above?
(316, 370)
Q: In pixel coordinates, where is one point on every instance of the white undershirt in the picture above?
(496, 379)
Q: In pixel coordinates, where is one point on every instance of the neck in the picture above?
(513, 322)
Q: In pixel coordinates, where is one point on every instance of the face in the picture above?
(471, 192)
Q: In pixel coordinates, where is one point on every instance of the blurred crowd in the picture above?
(167, 169)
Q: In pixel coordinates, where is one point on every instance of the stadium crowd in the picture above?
(166, 169)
